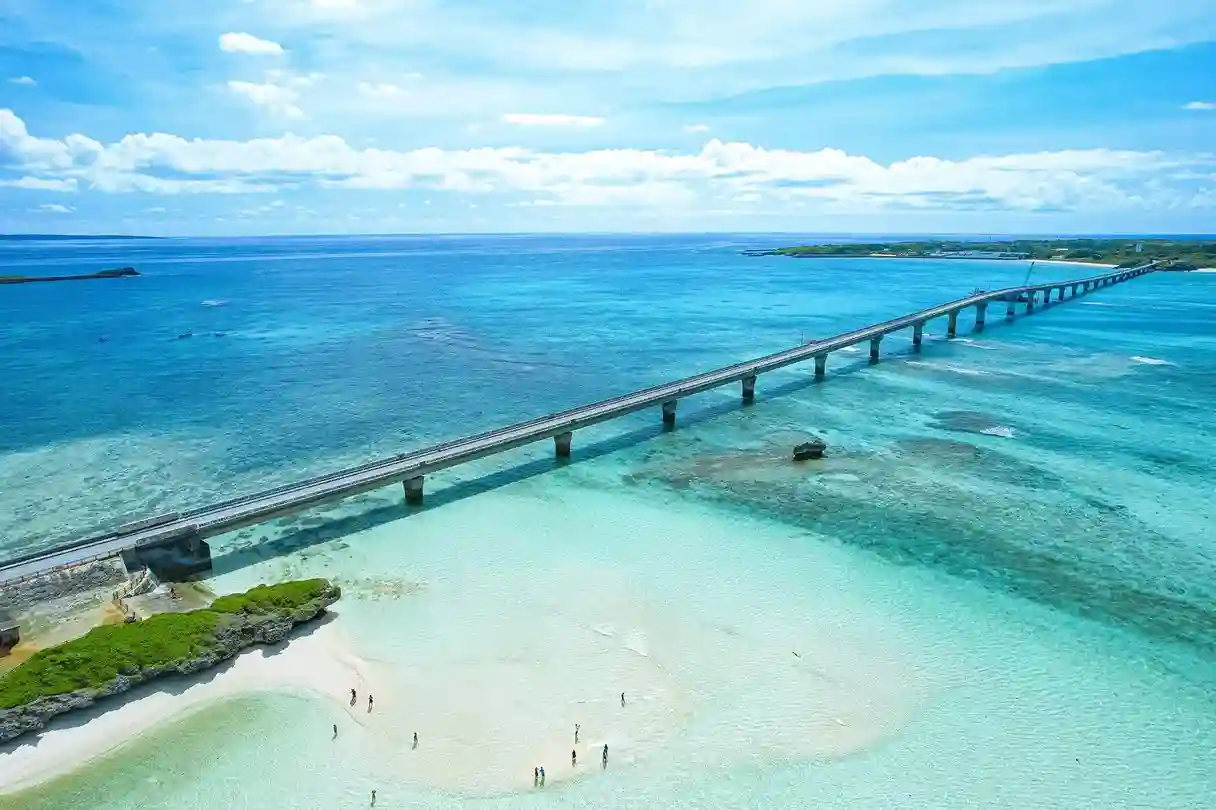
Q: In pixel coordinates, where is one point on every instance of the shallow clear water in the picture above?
(1001, 584)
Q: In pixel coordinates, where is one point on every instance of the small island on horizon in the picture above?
(1177, 254)
(119, 272)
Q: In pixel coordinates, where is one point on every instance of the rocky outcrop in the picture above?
(233, 633)
(810, 450)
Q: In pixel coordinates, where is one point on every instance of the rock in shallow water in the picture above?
(810, 450)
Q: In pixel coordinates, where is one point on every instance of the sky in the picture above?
(248, 117)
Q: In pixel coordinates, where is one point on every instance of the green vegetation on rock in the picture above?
(164, 643)
(273, 598)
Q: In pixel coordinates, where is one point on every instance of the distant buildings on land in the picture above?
(977, 254)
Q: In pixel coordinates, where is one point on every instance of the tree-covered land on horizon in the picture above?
(1180, 253)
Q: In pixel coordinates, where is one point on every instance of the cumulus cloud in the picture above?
(551, 120)
(26, 80)
(279, 94)
(1200, 105)
(41, 183)
(825, 179)
(52, 208)
(248, 43)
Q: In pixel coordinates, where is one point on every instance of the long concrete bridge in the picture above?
(176, 541)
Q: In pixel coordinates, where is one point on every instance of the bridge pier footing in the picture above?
(875, 345)
(918, 335)
(951, 325)
(1010, 309)
(413, 490)
(749, 389)
(981, 315)
(821, 366)
(171, 562)
(561, 444)
(669, 413)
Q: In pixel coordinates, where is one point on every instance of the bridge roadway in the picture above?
(412, 467)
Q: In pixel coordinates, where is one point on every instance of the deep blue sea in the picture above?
(1004, 571)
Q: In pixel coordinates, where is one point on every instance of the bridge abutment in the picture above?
(561, 444)
(749, 389)
(413, 490)
(171, 562)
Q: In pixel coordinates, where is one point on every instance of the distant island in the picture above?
(70, 237)
(1178, 254)
(120, 272)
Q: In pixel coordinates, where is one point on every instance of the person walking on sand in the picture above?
(576, 728)
(535, 776)
(373, 804)
(415, 739)
(622, 698)
(542, 775)
(335, 731)
(573, 757)
(370, 701)
(604, 759)
(352, 697)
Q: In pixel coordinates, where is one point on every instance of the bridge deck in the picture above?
(256, 508)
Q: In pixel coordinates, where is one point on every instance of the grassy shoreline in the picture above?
(161, 644)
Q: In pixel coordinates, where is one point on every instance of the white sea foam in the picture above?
(1000, 430)
(215, 302)
(1151, 361)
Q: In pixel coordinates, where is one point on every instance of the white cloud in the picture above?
(830, 180)
(551, 120)
(697, 128)
(1200, 105)
(335, 5)
(279, 94)
(41, 184)
(52, 208)
(156, 209)
(382, 90)
(248, 43)
(26, 80)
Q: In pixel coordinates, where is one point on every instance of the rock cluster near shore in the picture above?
(233, 633)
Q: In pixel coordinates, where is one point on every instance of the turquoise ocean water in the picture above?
(1001, 584)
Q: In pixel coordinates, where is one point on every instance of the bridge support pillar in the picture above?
(413, 490)
(561, 444)
(749, 389)
(951, 326)
(1030, 296)
(1010, 308)
(918, 335)
(821, 366)
(875, 344)
(1060, 294)
(669, 413)
(981, 316)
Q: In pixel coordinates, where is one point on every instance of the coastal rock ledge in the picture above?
(247, 624)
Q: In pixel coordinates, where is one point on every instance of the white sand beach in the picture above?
(1078, 264)
(318, 663)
